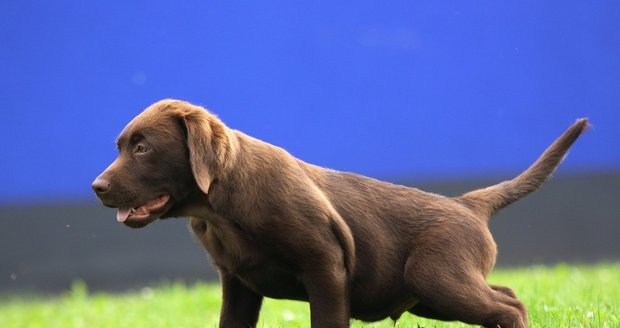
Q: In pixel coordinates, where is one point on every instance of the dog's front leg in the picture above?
(240, 305)
(327, 290)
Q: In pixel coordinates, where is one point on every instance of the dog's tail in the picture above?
(488, 201)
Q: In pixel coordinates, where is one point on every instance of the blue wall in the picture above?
(392, 89)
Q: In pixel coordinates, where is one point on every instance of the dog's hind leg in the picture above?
(421, 310)
(505, 290)
(510, 293)
(457, 293)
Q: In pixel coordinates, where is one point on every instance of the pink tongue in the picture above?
(122, 214)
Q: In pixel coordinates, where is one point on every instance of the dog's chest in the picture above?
(227, 244)
(235, 252)
(273, 280)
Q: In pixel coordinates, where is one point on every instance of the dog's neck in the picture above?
(232, 152)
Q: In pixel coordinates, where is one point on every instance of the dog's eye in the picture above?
(141, 149)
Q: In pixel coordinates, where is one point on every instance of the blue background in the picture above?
(420, 90)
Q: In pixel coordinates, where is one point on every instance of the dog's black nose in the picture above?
(100, 185)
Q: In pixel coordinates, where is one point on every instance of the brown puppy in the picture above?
(278, 227)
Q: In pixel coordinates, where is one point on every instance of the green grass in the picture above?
(560, 296)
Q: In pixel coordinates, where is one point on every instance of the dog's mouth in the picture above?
(140, 216)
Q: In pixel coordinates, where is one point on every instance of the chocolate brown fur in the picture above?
(278, 227)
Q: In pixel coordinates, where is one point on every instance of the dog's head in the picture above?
(168, 157)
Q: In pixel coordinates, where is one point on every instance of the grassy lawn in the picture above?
(560, 296)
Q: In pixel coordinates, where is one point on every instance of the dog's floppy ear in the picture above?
(209, 146)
